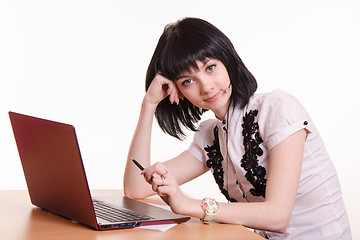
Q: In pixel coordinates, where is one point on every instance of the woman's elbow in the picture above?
(130, 194)
(279, 223)
(281, 228)
(133, 193)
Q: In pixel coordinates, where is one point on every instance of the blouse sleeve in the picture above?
(281, 115)
(202, 138)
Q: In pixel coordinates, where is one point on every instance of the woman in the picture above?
(263, 149)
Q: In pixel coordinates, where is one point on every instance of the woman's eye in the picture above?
(211, 68)
(187, 82)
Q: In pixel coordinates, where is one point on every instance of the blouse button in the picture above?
(237, 182)
(224, 121)
(306, 123)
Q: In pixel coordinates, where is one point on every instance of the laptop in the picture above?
(56, 180)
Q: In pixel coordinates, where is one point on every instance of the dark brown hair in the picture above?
(180, 46)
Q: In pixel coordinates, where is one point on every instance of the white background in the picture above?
(84, 63)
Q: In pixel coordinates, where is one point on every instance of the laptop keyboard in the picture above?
(113, 214)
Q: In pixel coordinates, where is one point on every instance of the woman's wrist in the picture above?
(148, 105)
(190, 207)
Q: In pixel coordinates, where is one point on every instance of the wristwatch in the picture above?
(210, 207)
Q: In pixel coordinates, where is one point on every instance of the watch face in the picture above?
(210, 205)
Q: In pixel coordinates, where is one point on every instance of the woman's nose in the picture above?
(206, 85)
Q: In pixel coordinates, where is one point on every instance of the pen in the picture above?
(137, 163)
(139, 166)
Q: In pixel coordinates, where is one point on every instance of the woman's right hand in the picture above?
(160, 88)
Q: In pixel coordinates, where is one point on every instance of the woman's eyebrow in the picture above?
(185, 75)
(205, 62)
(180, 77)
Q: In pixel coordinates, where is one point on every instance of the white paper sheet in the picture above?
(159, 227)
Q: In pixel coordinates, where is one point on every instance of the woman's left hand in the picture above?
(166, 186)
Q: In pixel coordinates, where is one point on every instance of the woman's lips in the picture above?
(213, 98)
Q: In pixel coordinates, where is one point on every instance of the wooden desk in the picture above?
(19, 220)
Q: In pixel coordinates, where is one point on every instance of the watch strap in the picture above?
(208, 217)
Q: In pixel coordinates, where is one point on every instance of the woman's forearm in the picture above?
(134, 184)
(267, 216)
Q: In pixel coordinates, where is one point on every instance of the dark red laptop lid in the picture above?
(53, 167)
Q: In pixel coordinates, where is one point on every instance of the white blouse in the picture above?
(237, 152)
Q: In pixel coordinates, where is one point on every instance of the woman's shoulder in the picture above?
(279, 115)
(273, 100)
(204, 136)
(205, 131)
(207, 125)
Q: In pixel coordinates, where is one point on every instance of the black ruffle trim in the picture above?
(255, 173)
(215, 163)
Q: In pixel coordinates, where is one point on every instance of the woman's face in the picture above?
(206, 86)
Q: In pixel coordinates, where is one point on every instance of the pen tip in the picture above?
(132, 158)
